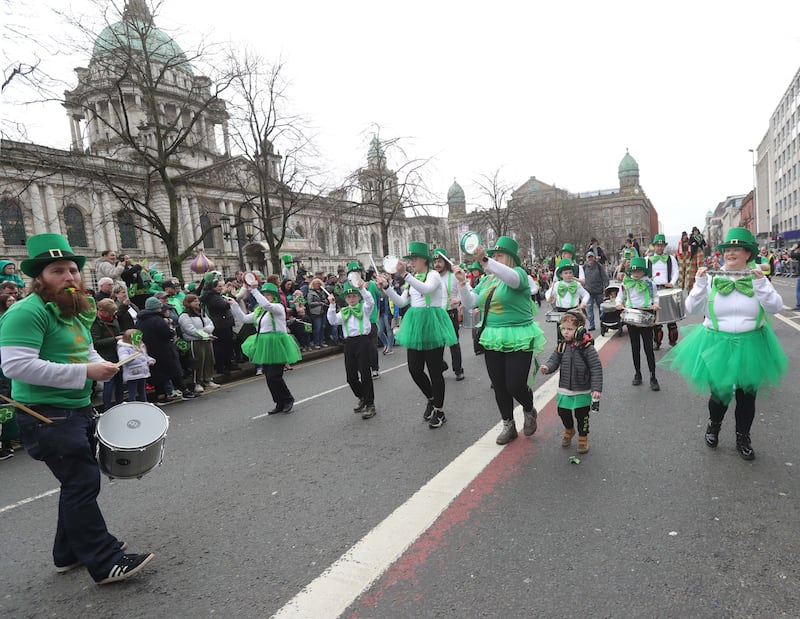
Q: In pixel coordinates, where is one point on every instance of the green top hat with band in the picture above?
(568, 247)
(506, 245)
(736, 237)
(288, 261)
(271, 288)
(46, 248)
(639, 264)
(354, 266)
(476, 266)
(418, 249)
(566, 264)
(439, 252)
(659, 239)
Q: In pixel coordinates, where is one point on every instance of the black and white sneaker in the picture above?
(426, 416)
(63, 569)
(369, 411)
(359, 408)
(6, 453)
(437, 419)
(128, 566)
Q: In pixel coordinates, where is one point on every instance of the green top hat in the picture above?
(659, 239)
(506, 245)
(566, 264)
(639, 264)
(350, 289)
(418, 249)
(354, 266)
(271, 288)
(46, 248)
(568, 247)
(439, 252)
(736, 237)
(287, 260)
(476, 266)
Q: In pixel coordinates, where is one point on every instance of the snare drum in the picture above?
(554, 315)
(670, 306)
(606, 307)
(638, 317)
(130, 439)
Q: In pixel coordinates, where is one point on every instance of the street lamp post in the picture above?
(755, 191)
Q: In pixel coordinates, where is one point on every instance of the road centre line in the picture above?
(330, 594)
(28, 500)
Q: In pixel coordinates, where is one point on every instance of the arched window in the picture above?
(76, 229)
(373, 241)
(340, 243)
(321, 240)
(127, 231)
(206, 231)
(300, 231)
(11, 221)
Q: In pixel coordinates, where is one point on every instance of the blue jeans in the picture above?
(385, 332)
(797, 290)
(594, 299)
(318, 329)
(112, 387)
(67, 447)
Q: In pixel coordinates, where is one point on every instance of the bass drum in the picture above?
(670, 306)
(130, 439)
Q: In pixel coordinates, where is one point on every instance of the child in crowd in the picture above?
(136, 372)
(567, 292)
(580, 381)
(639, 292)
(354, 318)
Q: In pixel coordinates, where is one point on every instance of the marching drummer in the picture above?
(665, 275)
(567, 293)
(639, 293)
(47, 352)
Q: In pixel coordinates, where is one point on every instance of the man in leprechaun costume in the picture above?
(46, 349)
(665, 272)
(735, 352)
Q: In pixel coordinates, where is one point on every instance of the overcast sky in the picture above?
(556, 90)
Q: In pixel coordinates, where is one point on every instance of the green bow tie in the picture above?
(636, 284)
(564, 288)
(352, 310)
(724, 285)
(658, 258)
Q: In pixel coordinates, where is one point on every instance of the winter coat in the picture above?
(580, 367)
(105, 268)
(159, 338)
(5, 277)
(104, 338)
(218, 309)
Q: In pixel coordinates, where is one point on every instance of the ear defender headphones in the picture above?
(580, 330)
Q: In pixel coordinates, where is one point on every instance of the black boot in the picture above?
(712, 433)
(654, 386)
(743, 446)
(637, 379)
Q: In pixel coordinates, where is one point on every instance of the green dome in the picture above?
(628, 166)
(126, 35)
(455, 193)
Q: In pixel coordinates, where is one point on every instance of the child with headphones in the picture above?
(580, 381)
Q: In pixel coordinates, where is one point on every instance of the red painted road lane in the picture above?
(503, 468)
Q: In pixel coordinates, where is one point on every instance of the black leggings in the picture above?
(645, 335)
(433, 359)
(745, 410)
(508, 372)
(581, 414)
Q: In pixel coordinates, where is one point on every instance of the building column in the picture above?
(51, 209)
(226, 138)
(37, 212)
(109, 225)
(97, 222)
(195, 230)
(185, 223)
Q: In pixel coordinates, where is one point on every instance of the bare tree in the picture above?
(495, 211)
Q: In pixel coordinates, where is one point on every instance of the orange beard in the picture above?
(70, 302)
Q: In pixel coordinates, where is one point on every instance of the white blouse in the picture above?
(417, 291)
(275, 310)
(735, 312)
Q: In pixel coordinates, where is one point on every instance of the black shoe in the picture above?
(445, 367)
(359, 408)
(287, 408)
(6, 453)
(637, 379)
(188, 395)
(127, 567)
(369, 412)
(712, 434)
(426, 416)
(654, 386)
(278, 409)
(743, 446)
(437, 419)
(460, 375)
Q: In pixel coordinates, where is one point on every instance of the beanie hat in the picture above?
(152, 304)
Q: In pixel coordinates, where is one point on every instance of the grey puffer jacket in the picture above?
(580, 367)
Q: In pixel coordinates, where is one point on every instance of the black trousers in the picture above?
(455, 349)
(645, 336)
(277, 386)
(508, 372)
(357, 360)
(373, 352)
(581, 416)
(745, 410)
(432, 383)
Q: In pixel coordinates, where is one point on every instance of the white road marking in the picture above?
(28, 500)
(339, 586)
(788, 321)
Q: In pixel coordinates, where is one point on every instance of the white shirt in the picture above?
(417, 291)
(354, 326)
(276, 321)
(659, 271)
(735, 312)
(581, 295)
(449, 285)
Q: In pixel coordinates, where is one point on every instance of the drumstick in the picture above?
(122, 362)
(374, 266)
(443, 257)
(25, 409)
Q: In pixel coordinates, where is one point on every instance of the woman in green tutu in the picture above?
(510, 336)
(271, 345)
(425, 329)
(735, 351)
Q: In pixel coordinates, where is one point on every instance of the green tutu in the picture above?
(271, 348)
(527, 338)
(426, 328)
(721, 362)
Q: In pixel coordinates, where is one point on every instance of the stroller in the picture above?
(609, 314)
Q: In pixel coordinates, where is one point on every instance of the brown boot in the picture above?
(583, 444)
(508, 434)
(566, 440)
